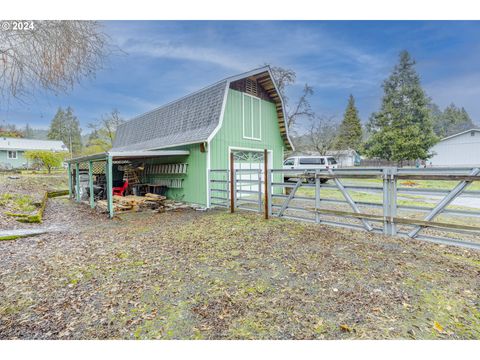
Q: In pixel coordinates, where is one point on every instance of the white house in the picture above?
(12, 150)
(345, 158)
(462, 149)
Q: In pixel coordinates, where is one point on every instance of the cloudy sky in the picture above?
(164, 60)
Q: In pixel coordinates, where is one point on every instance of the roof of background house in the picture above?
(188, 120)
(31, 144)
(458, 134)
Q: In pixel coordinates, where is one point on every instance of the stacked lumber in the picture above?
(150, 201)
(134, 203)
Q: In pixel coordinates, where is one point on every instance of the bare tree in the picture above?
(283, 78)
(110, 123)
(321, 135)
(103, 131)
(49, 55)
(302, 108)
(298, 109)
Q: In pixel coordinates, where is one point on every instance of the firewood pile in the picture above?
(150, 201)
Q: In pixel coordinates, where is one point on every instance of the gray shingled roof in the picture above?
(190, 119)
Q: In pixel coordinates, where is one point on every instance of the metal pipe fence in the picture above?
(431, 204)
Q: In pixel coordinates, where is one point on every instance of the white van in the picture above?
(311, 162)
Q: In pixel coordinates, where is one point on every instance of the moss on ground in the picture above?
(9, 237)
(22, 203)
(26, 216)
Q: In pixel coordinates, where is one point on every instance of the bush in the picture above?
(46, 159)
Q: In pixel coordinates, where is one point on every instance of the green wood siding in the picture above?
(194, 183)
(231, 133)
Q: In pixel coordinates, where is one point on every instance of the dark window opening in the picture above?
(312, 161)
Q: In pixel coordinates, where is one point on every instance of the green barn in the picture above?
(176, 145)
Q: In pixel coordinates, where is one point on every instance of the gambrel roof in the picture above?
(192, 119)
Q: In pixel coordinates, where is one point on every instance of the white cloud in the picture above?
(289, 47)
(168, 50)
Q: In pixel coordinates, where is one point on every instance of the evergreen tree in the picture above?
(451, 121)
(350, 132)
(66, 127)
(402, 129)
(28, 132)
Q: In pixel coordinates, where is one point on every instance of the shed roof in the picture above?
(128, 155)
(31, 144)
(191, 119)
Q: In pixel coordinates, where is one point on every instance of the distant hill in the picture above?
(39, 134)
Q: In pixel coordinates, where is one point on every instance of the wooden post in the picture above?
(70, 190)
(90, 183)
(110, 186)
(77, 182)
(317, 196)
(232, 184)
(265, 180)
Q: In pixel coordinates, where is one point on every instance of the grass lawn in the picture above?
(357, 195)
(214, 275)
(403, 199)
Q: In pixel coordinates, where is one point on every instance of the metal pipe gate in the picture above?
(304, 199)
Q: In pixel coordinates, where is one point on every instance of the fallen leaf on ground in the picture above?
(437, 326)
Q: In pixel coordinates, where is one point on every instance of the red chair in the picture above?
(119, 190)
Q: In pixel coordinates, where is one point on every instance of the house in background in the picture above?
(12, 150)
(462, 149)
(179, 143)
(345, 158)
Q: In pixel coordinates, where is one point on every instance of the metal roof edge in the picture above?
(138, 153)
(458, 134)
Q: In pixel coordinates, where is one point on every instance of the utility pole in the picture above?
(70, 139)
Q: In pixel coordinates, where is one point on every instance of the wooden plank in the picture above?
(347, 213)
(232, 190)
(397, 220)
(425, 223)
(438, 177)
(339, 176)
